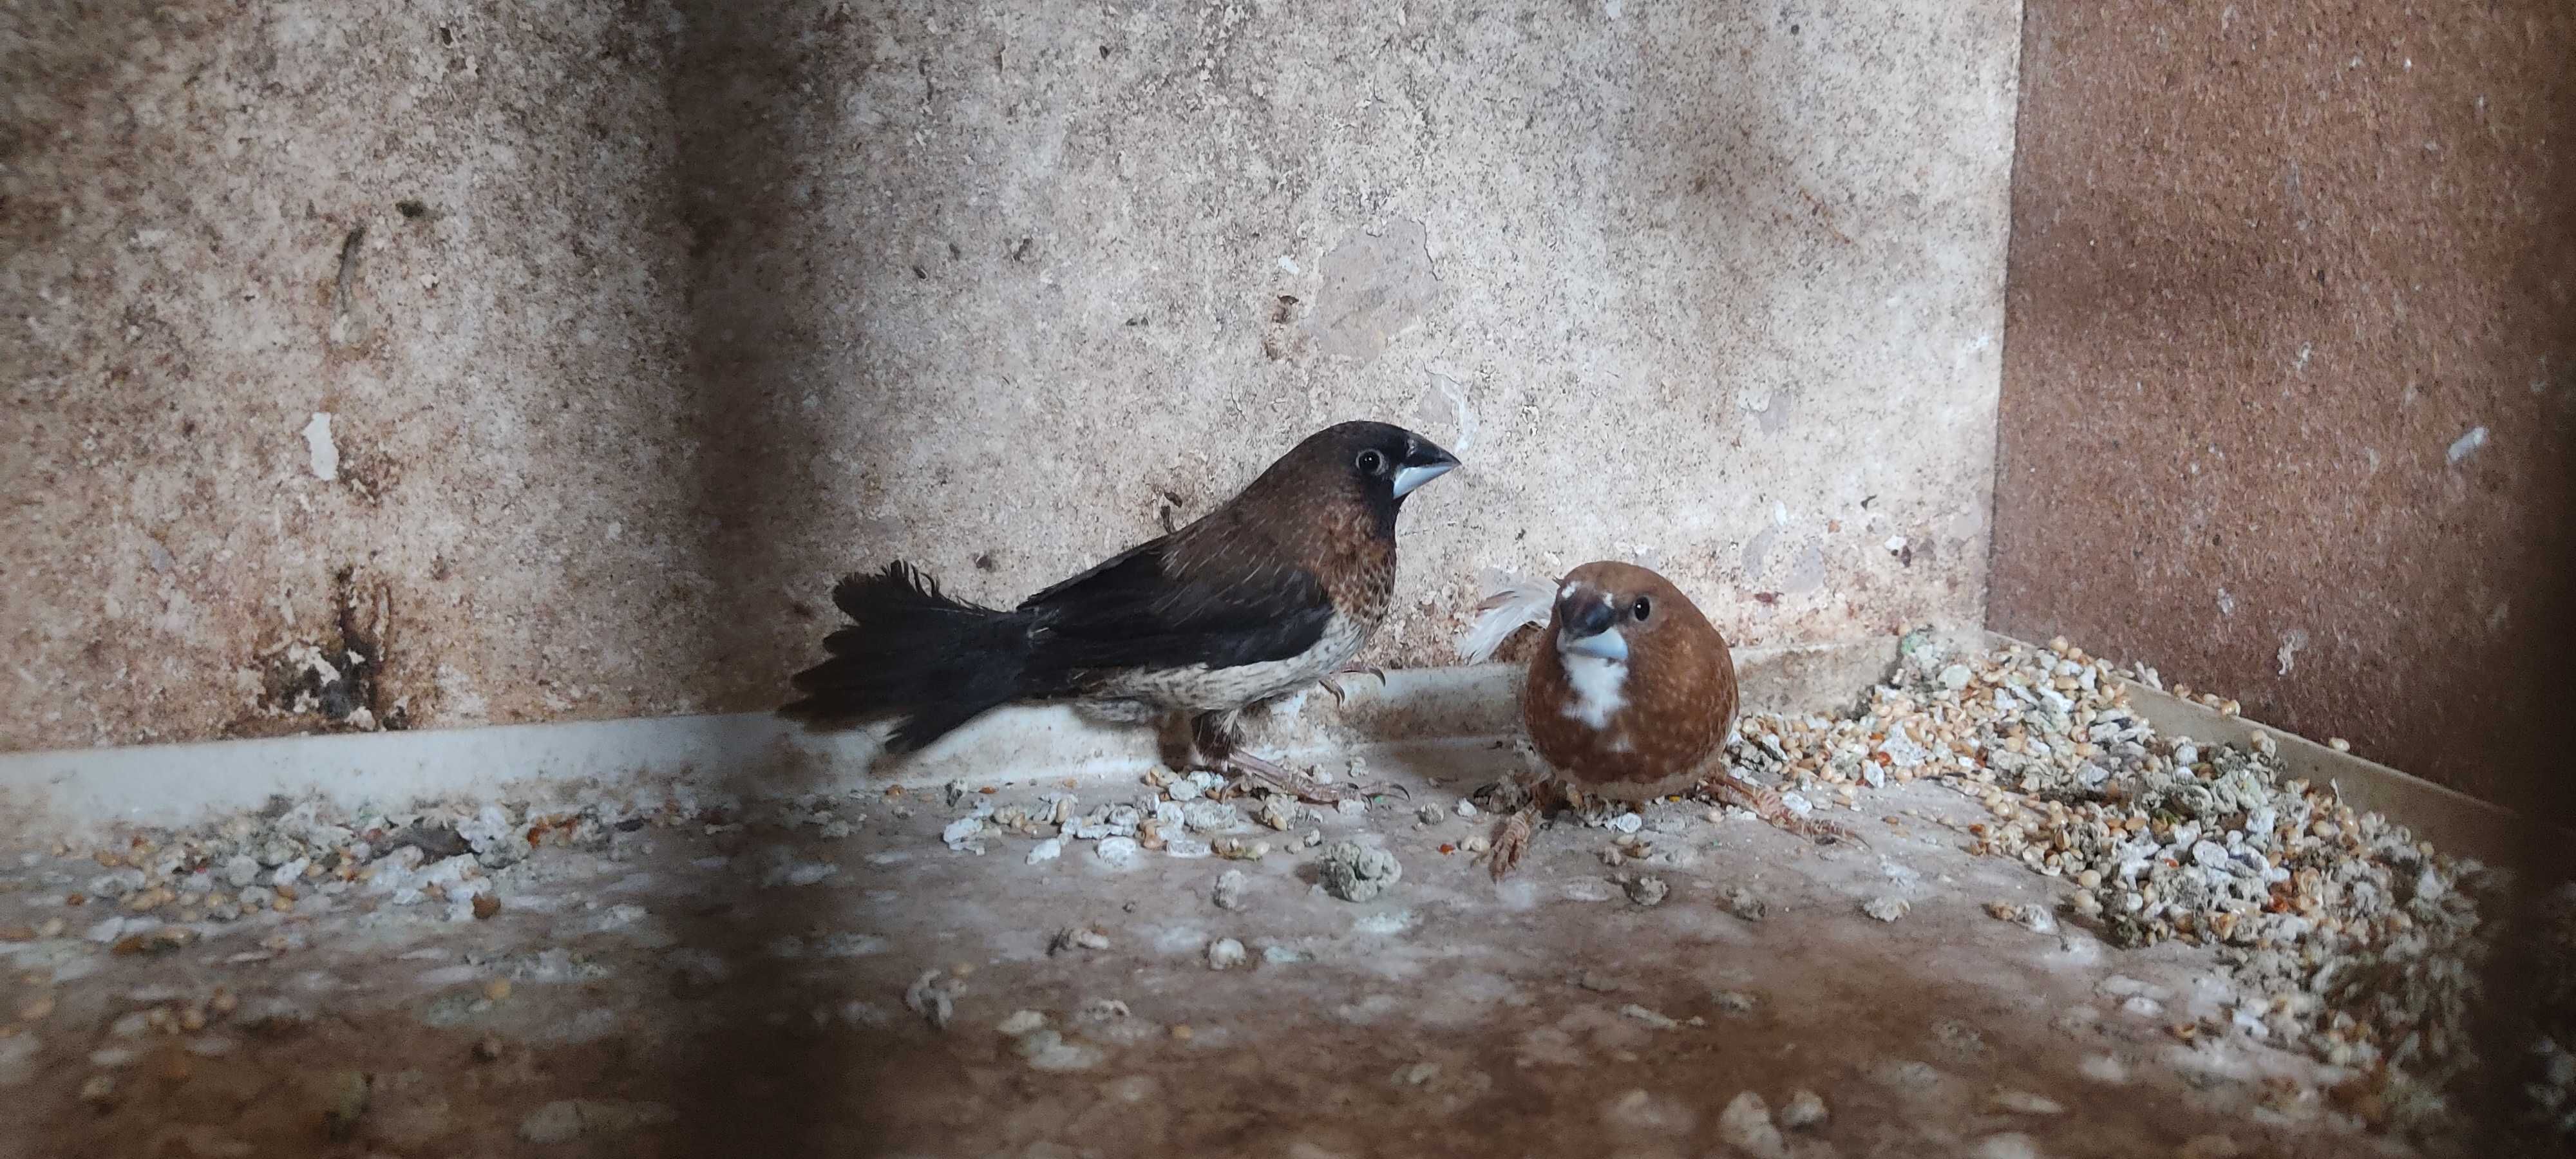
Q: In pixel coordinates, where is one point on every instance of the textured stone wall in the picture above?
(438, 362)
(2293, 292)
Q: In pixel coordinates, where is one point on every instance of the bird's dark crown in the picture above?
(1376, 463)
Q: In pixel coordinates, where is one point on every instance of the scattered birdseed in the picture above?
(2354, 939)
(2034, 917)
(2123, 986)
(2369, 984)
(1230, 888)
(1805, 1110)
(1241, 849)
(1746, 1125)
(2024, 1103)
(1904, 1074)
(1649, 1017)
(153, 943)
(785, 869)
(1211, 817)
(933, 996)
(1048, 1050)
(1100, 1010)
(1225, 954)
(1886, 907)
(1357, 873)
(1958, 1037)
(1077, 938)
(2103, 1068)
(2008, 1146)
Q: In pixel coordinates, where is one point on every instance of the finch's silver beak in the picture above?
(1587, 627)
(1606, 645)
(1422, 464)
(1408, 478)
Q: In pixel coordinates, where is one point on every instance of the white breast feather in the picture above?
(1599, 689)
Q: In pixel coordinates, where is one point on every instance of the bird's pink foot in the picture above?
(1512, 836)
(1767, 805)
(1299, 785)
(1511, 840)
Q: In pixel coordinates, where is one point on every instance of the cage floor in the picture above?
(669, 990)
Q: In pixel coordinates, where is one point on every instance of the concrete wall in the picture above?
(2291, 292)
(636, 324)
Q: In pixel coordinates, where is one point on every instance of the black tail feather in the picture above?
(915, 654)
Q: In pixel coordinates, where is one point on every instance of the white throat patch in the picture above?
(1599, 688)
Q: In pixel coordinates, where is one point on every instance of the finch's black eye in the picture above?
(1642, 608)
(1371, 462)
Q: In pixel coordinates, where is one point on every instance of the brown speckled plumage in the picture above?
(1629, 697)
(1679, 694)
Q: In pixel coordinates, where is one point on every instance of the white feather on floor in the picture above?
(1512, 602)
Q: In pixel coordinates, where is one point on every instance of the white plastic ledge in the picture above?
(63, 792)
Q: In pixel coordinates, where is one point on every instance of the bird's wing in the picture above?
(1154, 606)
(1511, 603)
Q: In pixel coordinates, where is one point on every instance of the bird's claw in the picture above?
(1824, 832)
(1333, 684)
(1768, 806)
(1503, 796)
(1511, 840)
(1303, 787)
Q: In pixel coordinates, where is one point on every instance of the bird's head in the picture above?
(1615, 612)
(1377, 462)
